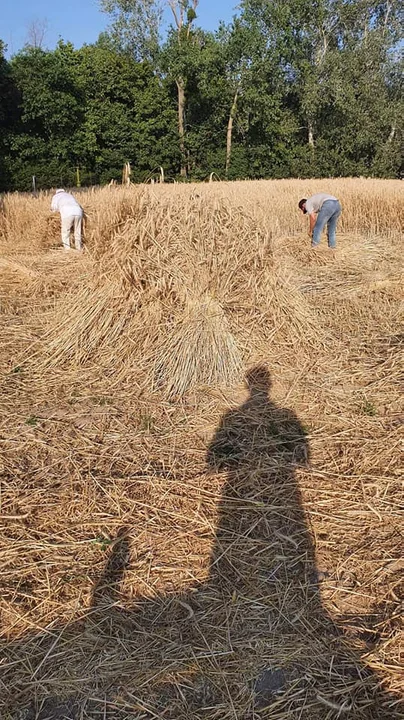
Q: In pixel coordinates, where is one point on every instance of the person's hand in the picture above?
(310, 235)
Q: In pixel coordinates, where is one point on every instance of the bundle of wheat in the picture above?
(198, 349)
(166, 282)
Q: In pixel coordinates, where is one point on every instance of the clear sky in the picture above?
(80, 21)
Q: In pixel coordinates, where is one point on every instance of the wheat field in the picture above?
(201, 496)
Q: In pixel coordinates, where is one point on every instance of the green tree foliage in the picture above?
(128, 115)
(8, 102)
(92, 108)
(288, 88)
(50, 108)
(135, 26)
(336, 57)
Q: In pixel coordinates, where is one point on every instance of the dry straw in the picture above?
(199, 349)
(165, 293)
(173, 545)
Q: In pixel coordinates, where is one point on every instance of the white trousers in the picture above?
(68, 223)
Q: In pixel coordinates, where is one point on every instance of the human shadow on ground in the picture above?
(253, 641)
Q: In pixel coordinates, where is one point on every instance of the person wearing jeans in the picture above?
(322, 209)
(71, 214)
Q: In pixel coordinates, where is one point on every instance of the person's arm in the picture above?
(313, 220)
(54, 204)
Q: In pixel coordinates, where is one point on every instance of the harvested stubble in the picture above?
(219, 556)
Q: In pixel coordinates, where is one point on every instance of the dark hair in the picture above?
(301, 203)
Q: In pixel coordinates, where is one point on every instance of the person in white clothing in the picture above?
(71, 214)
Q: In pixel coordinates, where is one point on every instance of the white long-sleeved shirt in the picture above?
(66, 204)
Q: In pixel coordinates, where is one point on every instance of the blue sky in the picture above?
(80, 21)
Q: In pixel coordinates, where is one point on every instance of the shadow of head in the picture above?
(259, 433)
(258, 380)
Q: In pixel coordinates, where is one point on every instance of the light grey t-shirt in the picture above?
(315, 202)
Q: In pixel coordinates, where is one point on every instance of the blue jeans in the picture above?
(329, 213)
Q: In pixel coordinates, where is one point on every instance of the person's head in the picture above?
(59, 190)
(302, 205)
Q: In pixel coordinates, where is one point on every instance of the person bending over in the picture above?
(71, 214)
(321, 209)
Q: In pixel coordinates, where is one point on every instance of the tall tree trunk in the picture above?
(184, 13)
(311, 134)
(392, 134)
(181, 123)
(230, 129)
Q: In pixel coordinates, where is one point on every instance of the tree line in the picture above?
(289, 88)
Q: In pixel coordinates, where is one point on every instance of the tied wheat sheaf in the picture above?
(164, 293)
(201, 499)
